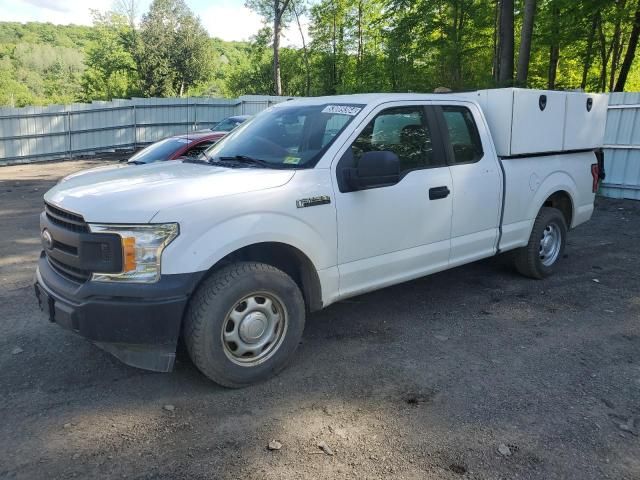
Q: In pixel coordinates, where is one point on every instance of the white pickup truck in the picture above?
(310, 202)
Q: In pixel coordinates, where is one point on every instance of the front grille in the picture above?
(70, 222)
(65, 248)
(67, 220)
(67, 271)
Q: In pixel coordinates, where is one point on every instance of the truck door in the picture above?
(397, 232)
(477, 184)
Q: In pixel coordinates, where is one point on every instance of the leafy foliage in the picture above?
(112, 70)
(174, 51)
(41, 63)
(353, 46)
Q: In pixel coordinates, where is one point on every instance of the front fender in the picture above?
(201, 253)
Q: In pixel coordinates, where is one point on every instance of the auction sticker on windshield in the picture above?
(342, 110)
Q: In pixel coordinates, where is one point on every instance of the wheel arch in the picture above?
(282, 256)
(562, 201)
(558, 190)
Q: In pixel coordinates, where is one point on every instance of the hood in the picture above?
(136, 194)
(95, 169)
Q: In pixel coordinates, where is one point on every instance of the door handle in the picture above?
(436, 193)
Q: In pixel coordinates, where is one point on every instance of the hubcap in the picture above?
(550, 244)
(254, 329)
(253, 326)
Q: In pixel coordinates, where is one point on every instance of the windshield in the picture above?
(162, 150)
(227, 125)
(285, 136)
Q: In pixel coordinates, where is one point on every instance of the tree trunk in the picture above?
(453, 63)
(360, 36)
(341, 56)
(279, 8)
(525, 42)
(554, 57)
(588, 57)
(554, 49)
(631, 53)
(506, 40)
(496, 45)
(277, 81)
(604, 56)
(305, 52)
(334, 66)
(458, 70)
(616, 43)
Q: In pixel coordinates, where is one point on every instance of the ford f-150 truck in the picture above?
(310, 202)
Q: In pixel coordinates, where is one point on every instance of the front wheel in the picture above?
(546, 244)
(244, 323)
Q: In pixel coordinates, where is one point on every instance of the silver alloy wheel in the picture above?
(550, 244)
(254, 329)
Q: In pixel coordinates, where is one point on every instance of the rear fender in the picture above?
(555, 182)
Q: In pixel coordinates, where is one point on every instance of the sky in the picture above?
(226, 19)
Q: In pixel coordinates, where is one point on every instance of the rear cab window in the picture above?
(462, 132)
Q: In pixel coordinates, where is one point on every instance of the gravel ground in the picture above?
(471, 373)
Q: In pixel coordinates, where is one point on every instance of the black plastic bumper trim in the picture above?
(545, 154)
(138, 323)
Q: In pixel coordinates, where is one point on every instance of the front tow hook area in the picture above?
(45, 302)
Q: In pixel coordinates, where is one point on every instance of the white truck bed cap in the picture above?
(524, 122)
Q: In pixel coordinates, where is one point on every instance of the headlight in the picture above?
(142, 247)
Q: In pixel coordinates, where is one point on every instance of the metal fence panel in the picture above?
(41, 133)
(622, 147)
(56, 131)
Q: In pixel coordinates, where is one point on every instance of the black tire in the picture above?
(528, 259)
(211, 307)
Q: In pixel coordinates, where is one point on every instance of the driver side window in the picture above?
(401, 130)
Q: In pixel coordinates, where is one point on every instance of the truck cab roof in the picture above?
(375, 98)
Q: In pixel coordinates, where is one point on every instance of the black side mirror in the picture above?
(375, 169)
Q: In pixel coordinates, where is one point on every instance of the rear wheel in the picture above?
(546, 245)
(244, 323)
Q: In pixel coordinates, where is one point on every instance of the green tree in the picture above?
(278, 13)
(254, 74)
(111, 68)
(174, 52)
(12, 92)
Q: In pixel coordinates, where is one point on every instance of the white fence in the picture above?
(622, 147)
(41, 133)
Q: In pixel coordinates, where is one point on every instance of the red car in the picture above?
(189, 145)
(171, 148)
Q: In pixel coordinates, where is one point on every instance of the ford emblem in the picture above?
(47, 239)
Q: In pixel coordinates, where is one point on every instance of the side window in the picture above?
(463, 134)
(195, 151)
(402, 130)
(334, 125)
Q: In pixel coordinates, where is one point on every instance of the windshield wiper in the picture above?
(245, 159)
(193, 160)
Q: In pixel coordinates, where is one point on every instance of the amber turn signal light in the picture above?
(129, 254)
